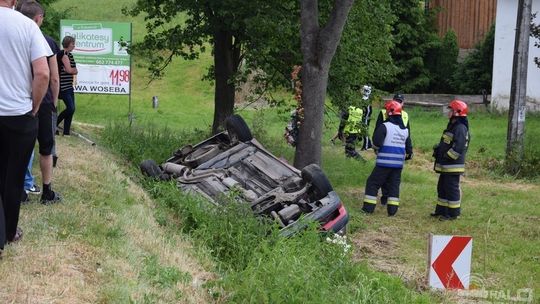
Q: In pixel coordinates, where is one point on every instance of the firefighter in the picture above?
(381, 118)
(350, 128)
(404, 115)
(449, 156)
(392, 145)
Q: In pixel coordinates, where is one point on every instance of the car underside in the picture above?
(234, 164)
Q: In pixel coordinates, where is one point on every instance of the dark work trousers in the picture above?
(17, 139)
(350, 142)
(449, 195)
(390, 179)
(68, 96)
(366, 144)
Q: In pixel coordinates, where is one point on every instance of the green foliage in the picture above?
(138, 143)
(183, 28)
(474, 74)
(414, 36)
(441, 60)
(162, 276)
(535, 33)
(305, 269)
(363, 55)
(51, 22)
(526, 168)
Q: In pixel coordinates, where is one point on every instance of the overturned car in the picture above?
(234, 162)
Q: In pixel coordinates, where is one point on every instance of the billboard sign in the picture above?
(101, 55)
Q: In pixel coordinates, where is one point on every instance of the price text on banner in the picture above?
(101, 55)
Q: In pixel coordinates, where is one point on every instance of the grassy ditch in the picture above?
(257, 265)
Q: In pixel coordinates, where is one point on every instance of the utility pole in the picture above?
(518, 92)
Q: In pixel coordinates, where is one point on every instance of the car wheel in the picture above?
(320, 185)
(237, 129)
(150, 168)
(200, 155)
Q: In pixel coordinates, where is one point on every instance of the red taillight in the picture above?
(336, 217)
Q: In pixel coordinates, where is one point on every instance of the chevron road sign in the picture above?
(449, 261)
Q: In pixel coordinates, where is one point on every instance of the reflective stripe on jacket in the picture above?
(353, 122)
(451, 150)
(392, 152)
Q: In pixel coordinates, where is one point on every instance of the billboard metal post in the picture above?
(130, 112)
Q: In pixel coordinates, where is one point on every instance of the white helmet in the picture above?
(366, 91)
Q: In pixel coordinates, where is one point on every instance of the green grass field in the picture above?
(499, 211)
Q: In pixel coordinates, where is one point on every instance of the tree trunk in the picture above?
(225, 66)
(318, 48)
(308, 147)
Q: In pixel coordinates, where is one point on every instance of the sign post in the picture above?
(449, 261)
(101, 53)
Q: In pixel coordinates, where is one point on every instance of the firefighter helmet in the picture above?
(458, 107)
(393, 107)
(399, 98)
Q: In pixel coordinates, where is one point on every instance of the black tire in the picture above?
(320, 185)
(237, 129)
(150, 168)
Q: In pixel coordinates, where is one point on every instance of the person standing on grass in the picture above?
(381, 118)
(392, 144)
(449, 156)
(368, 110)
(47, 110)
(68, 69)
(350, 128)
(24, 78)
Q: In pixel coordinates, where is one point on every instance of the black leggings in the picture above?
(17, 139)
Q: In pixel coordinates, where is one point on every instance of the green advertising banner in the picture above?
(101, 55)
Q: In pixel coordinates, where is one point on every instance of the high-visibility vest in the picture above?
(354, 121)
(404, 117)
(392, 152)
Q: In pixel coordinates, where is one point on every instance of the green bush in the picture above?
(475, 72)
(441, 60)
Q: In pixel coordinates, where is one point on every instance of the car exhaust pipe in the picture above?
(175, 168)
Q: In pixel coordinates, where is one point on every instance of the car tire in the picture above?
(320, 185)
(237, 129)
(150, 168)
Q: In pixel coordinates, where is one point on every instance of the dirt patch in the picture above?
(381, 250)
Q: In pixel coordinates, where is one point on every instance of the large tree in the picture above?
(318, 45)
(252, 34)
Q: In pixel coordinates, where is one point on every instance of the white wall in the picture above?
(505, 28)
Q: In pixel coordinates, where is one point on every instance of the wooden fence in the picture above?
(470, 19)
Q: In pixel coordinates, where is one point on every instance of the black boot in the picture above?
(440, 211)
(392, 209)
